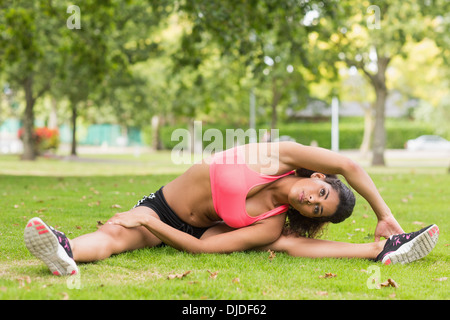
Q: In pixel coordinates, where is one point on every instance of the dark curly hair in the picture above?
(300, 225)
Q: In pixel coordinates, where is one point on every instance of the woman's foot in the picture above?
(408, 247)
(51, 246)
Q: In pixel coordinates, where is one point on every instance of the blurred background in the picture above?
(120, 76)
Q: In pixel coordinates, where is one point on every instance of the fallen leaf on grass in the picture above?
(213, 275)
(419, 223)
(322, 293)
(271, 255)
(236, 280)
(94, 191)
(178, 275)
(116, 206)
(407, 198)
(91, 204)
(40, 210)
(23, 280)
(441, 279)
(389, 283)
(328, 275)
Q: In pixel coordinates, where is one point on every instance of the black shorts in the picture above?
(157, 203)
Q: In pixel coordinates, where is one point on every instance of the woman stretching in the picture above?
(257, 196)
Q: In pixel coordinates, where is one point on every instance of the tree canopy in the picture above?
(205, 59)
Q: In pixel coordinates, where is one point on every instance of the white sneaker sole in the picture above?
(415, 249)
(43, 244)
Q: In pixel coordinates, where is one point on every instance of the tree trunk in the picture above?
(368, 131)
(276, 96)
(156, 139)
(53, 117)
(73, 149)
(379, 132)
(29, 143)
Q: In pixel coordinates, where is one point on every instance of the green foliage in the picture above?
(201, 59)
(350, 132)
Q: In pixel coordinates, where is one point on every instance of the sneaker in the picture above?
(51, 246)
(408, 247)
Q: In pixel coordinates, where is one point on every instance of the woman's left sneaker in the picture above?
(408, 247)
(51, 246)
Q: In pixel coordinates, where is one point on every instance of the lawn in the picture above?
(74, 196)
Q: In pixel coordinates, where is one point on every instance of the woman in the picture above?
(239, 200)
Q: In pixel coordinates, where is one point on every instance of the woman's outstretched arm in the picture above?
(258, 234)
(295, 155)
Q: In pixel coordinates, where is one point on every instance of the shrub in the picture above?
(45, 139)
(351, 131)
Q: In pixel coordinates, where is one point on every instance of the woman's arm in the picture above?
(258, 234)
(296, 155)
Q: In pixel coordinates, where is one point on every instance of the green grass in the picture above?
(75, 195)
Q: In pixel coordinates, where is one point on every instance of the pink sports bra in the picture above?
(231, 180)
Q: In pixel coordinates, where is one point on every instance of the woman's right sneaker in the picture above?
(51, 246)
(408, 247)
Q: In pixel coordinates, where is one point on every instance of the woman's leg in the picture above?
(112, 239)
(317, 248)
(401, 248)
(313, 248)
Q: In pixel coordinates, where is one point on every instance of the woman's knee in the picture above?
(287, 244)
(124, 239)
(112, 231)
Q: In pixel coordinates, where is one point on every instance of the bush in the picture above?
(45, 139)
(351, 131)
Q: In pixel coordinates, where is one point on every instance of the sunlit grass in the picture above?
(75, 195)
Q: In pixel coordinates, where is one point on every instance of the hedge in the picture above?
(398, 131)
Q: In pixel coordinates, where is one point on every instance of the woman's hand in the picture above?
(386, 227)
(129, 219)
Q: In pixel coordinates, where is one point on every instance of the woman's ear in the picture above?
(318, 175)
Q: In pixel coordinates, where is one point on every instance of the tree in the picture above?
(369, 37)
(27, 57)
(75, 50)
(269, 37)
(133, 45)
(86, 57)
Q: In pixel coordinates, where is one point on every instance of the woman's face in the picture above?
(313, 197)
